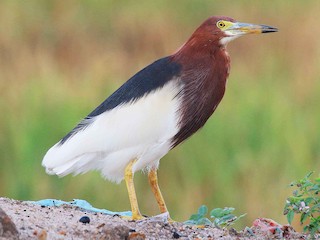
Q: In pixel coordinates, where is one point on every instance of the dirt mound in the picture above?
(32, 221)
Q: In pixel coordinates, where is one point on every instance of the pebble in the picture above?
(8, 229)
(84, 219)
(176, 235)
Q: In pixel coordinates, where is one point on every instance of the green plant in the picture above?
(221, 217)
(306, 202)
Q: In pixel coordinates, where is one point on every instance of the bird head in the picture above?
(214, 33)
(225, 29)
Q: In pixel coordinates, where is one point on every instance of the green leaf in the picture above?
(229, 218)
(315, 187)
(216, 213)
(227, 210)
(204, 221)
(309, 174)
(307, 184)
(222, 217)
(241, 216)
(190, 222)
(290, 216)
(195, 217)
(303, 217)
(315, 208)
(308, 200)
(203, 210)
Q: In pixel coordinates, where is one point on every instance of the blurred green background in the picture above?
(60, 59)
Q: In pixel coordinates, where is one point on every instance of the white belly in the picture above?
(140, 130)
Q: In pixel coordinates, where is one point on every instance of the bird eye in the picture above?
(221, 24)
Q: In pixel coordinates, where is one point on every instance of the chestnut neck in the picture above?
(205, 68)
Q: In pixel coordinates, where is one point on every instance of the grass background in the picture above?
(60, 59)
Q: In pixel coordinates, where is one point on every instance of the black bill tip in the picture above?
(268, 29)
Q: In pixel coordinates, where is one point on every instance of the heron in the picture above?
(154, 111)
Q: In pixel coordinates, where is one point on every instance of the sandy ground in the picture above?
(23, 220)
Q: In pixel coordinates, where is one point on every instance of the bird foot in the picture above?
(134, 217)
(163, 217)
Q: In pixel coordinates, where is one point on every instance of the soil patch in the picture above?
(24, 220)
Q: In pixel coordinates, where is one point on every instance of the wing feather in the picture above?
(129, 130)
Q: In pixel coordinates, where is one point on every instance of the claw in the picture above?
(133, 218)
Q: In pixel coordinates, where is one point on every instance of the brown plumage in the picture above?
(205, 69)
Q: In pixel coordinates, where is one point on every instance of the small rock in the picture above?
(176, 235)
(101, 225)
(117, 232)
(233, 232)
(43, 235)
(8, 229)
(84, 219)
(136, 236)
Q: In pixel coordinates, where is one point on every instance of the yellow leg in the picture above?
(128, 176)
(153, 180)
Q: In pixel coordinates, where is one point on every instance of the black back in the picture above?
(149, 79)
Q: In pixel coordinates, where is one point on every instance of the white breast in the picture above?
(140, 130)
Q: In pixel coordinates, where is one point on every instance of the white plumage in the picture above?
(140, 130)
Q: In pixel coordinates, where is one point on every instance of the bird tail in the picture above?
(55, 165)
